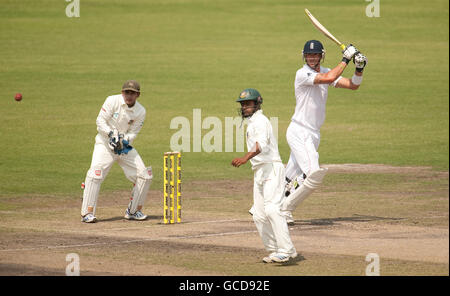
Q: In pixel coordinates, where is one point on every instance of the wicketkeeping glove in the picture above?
(126, 147)
(113, 139)
(360, 61)
(119, 143)
(348, 53)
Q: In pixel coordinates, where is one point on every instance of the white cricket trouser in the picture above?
(267, 198)
(133, 167)
(304, 143)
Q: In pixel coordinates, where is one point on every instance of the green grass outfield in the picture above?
(200, 54)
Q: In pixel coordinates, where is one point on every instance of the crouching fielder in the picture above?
(269, 179)
(118, 123)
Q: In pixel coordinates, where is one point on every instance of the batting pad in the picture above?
(139, 193)
(311, 183)
(92, 185)
(314, 180)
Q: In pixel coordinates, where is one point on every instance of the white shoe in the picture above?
(89, 218)
(269, 259)
(136, 216)
(289, 218)
(282, 258)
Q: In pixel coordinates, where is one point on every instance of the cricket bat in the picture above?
(322, 29)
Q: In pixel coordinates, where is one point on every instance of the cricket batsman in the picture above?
(303, 174)
(118, 123)
(269, 179)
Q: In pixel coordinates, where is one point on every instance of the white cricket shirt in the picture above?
(310, 98)
(260, 130)
(115, 114)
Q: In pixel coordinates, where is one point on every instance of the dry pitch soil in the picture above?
(217, 235)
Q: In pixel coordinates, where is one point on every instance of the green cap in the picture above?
(131, 85)
(249, 94)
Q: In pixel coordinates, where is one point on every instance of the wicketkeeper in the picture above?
(268, 179)
(118, 123)
(303, 174)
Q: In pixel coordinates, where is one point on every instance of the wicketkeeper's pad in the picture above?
(139, 193)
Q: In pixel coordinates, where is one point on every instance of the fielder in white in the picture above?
(268, 179)
(303, 174)
(118, 123)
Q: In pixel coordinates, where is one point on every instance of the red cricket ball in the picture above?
(18, 97)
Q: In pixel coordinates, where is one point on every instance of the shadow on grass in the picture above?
(354, 218)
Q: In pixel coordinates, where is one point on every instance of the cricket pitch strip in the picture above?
(399, 213)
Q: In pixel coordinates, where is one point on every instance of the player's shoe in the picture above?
(283, 258)
(252, 210)
(289, 218)
(268, 259)
(89, 218)
(136, 216)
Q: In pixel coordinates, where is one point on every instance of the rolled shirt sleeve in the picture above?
(336, 81)
(305, 78)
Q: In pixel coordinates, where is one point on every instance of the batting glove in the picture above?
(360, 61)
(348, 53)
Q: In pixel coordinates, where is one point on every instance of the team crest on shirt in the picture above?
(115, 115)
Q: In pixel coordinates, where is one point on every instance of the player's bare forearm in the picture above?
(238, 161)
(347, 83)
(331, 76)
